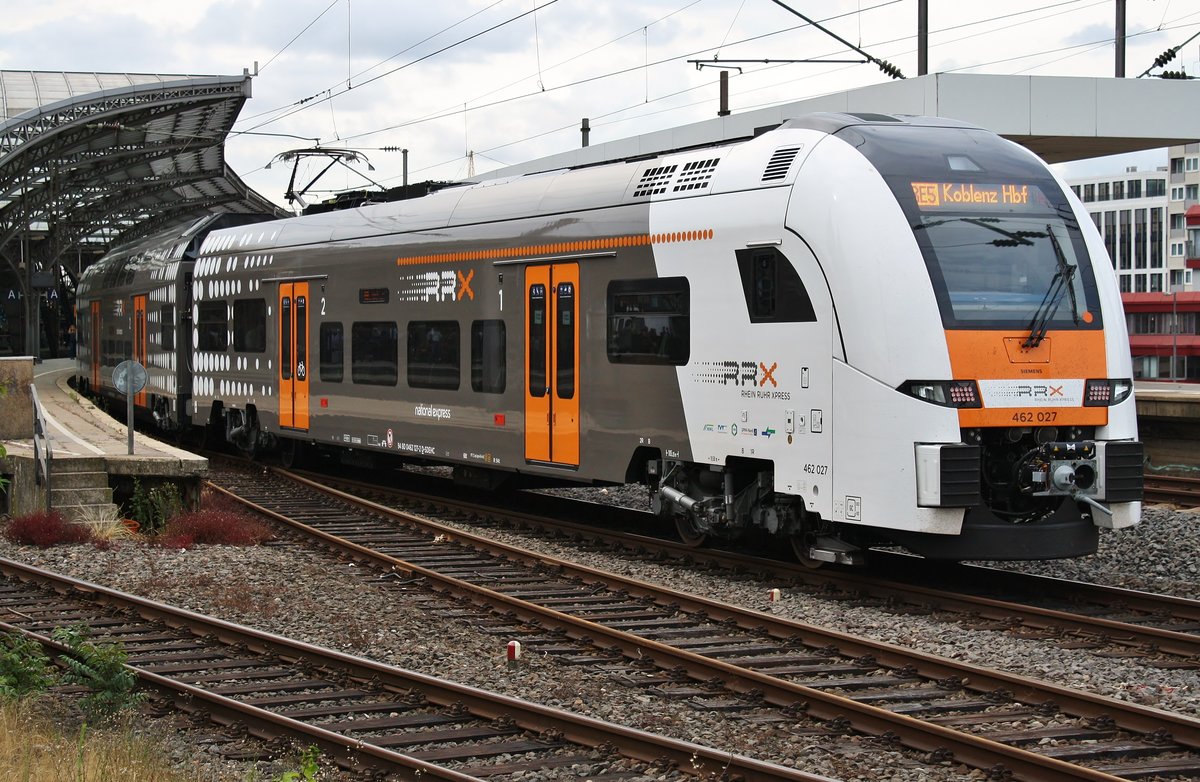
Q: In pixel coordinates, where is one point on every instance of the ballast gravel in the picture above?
(308, 595)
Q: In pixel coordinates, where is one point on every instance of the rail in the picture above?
(41, 442)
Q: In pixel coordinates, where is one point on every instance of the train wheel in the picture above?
(801, 543)
(291, 453)
(688, 533)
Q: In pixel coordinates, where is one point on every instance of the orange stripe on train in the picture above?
(558, 248)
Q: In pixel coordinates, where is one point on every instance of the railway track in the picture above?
(984, 718)
(368, 716)
(1162, 629)
(1174, 489)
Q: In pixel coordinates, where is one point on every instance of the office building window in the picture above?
(1125, 283)
(1135, 188)
(1156, 283)
(1156, 237)
(1102, 192)
(1177, 194)
(1118, 190)
(1126, 241)
(1089, 193)
(1156, 188)
(1139, 238)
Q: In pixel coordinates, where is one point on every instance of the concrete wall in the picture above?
(16, 404)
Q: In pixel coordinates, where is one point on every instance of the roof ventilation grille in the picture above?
(780, 162)
(695, 175)
(654, 181)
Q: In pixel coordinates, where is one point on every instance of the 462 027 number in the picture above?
(1031, 417)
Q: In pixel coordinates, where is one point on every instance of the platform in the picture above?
(84, 438)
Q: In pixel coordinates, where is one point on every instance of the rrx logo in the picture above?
(747, 373)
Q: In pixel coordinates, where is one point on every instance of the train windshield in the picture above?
(999, 239)
(1013, 269)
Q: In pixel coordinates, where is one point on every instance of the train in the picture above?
(847, 331)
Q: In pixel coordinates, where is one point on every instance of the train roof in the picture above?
(758, 162)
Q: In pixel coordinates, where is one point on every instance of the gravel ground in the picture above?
(314, 598)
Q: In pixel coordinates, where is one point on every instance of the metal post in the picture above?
(1120, 40)
(585, 130)
(723, 110)
(922, 37)
(405, 152)
(1174, 333)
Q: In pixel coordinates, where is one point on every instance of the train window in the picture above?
(374, 353)
(537, 340)
(250, 325)
(564, 340)
(488, 346)
(331, 352)
(433, 354)
(166, 323)
(773, 290)
(285, 338)
(649, 321)
(301, 339)
(212, 325)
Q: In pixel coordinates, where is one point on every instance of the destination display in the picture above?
(956, 195)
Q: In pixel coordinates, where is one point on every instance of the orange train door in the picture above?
(293, 355)
(95, 352)
(139, 342)
(552, 364)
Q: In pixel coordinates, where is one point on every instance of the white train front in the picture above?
(848, 330)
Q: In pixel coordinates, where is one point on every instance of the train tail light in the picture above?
(1106, 392)
(947, 393)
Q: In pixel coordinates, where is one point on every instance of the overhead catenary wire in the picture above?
(455, 110)
(297, 35)
(598, 119)
(446, 48)
(376, 65)
(448, 112)
(884, 65)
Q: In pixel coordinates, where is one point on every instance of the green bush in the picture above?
(24, 667)
(153, 508)
(100, 668)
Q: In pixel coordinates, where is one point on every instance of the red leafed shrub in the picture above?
(211, 499)
(215, 526)
(45, 528)
(179, 540)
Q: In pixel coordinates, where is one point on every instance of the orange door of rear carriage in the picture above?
(293, 355)
(139, 342)
(552, 364)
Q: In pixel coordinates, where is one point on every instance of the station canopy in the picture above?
(88, 160)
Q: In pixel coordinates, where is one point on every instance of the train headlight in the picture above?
(946, 393)
(1107, 392)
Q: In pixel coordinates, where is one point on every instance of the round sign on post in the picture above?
(129, 377)
(127, 374)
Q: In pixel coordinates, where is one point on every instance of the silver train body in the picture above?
(848, 330)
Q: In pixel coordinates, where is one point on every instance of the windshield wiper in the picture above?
(1060, 285)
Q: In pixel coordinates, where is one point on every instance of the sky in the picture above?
(473, 85)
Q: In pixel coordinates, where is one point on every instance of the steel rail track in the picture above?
(293, 682)
(1155, 625)
(1174, 489)
(926, 735)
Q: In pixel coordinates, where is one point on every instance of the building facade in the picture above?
(1144, 217)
